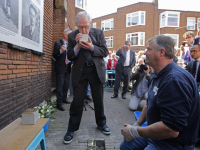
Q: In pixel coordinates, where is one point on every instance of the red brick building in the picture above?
(26, 78)
(141, 21)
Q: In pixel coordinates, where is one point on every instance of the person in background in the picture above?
(193, 67)
(63, 69)
(172, 110)
(111, 66)
(107, 58)
(190, 40)
(140, 88)
(87, 94)
(123, 68)
(88, 67)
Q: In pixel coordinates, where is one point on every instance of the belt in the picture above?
(125, 66)
(89, 63)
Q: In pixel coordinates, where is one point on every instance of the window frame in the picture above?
(177, 44)
(166, 13)
(109, 38)
(103, 21)
(194, 23)
(198, 22)
(95, 25)
(139, 18)
(84, 4)
(139, 35)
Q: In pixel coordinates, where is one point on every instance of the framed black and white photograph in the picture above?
(9, 12)
(30, 21)
(21, 23)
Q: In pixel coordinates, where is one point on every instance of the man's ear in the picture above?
(162, 52)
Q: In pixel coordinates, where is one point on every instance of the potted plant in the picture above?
(46, 110)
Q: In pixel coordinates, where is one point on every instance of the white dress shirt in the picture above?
(127, 61)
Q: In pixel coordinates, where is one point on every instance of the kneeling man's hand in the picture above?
(129, 132)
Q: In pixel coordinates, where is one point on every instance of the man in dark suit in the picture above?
(124, 66)
(63, 69)
(88, 66)
(31, 31)
(194, 66)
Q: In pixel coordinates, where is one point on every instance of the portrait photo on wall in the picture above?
(39, 2)
(9, 12)
(30, 21)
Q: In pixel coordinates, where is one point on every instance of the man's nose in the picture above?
(84, 31)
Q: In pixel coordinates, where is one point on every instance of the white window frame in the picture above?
(109, 38)
(84, 4)
(177, 35)
(139, 36)
(94, 24)
(166, 13)
(139, 18)
(194, 22)
(111, 20)
(198, 22)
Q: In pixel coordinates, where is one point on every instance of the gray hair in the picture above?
(166, 42)
(66, 31)
(127, 42)
(83, 14)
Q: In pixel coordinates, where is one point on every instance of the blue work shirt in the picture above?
(173, 98)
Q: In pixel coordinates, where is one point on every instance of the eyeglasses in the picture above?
(194, 51)
(86, 27)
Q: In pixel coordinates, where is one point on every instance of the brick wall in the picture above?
(151, 27)
(25, 78)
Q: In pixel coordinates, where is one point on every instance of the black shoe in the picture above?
(88, 98)
(68, 137)
(124, 96)
(60, 107)
(114, 96)
(67, 102)
(105, 129)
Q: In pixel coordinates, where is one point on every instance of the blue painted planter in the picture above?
(45, 128)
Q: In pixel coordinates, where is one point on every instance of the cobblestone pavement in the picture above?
(117, 113)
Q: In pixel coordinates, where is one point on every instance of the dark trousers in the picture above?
(62, 85)
(111, 76)
(126, 74)
(89, 74)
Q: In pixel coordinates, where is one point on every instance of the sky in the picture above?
(97, 8)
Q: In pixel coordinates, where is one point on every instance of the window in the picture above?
(94, 25)
(175, 37)
(135, 18)
(190, 23)
(169, 19)
(81, 4)
(136, 38)
(109, 41)
(107, 24)
(198, 23)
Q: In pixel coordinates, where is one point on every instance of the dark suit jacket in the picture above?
(60, 65)
(100, 51)
(189, 69)
(109, 65)
(122, 58)
(27, 33)
(196, 40)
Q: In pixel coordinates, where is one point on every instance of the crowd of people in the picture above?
(171, 91)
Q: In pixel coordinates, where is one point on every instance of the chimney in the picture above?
(155, 1)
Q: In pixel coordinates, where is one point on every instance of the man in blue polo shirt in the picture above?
(172, 110)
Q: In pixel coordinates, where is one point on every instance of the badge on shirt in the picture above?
(155, 89)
